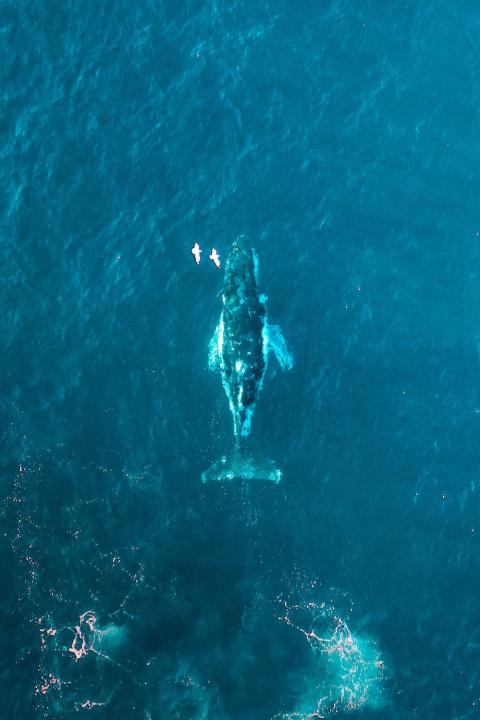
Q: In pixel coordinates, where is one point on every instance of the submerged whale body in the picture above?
(239, 349)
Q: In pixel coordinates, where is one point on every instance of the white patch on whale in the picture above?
(273, 341)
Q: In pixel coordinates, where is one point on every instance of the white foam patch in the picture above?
(348, 671)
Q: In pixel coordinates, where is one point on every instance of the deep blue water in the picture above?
(343, 138)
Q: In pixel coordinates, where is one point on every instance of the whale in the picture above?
(239, 350)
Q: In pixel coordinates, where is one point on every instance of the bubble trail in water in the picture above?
(350, 668)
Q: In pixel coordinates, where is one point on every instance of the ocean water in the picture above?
(343, 138)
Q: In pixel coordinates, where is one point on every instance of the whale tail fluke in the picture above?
(239, 466)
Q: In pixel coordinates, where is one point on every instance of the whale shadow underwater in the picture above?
(239, 349)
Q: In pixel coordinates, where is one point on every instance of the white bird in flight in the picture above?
(196, 253)
(215, 257)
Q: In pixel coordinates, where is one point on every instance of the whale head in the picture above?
(241, 271)
(240, 254)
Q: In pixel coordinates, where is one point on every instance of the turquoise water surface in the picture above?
(343, 139)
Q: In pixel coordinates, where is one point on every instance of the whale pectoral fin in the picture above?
(213, 352)
(277, 344)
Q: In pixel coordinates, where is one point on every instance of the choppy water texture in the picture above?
(343, 138)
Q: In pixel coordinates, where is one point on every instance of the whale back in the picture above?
(243, 323)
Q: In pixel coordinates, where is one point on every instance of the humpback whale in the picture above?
(239, 349)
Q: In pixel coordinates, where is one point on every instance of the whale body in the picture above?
(243, 340)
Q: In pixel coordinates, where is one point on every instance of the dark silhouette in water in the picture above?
(239, 349)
